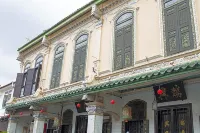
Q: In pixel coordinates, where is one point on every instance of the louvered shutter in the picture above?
(171, 30)
(178, 28)
(127, 46)
(119, 50)
(53, 77)
(37, 78)
(82, 57)
(18, 84)
(76, 65)
(29, 82)
(58, 71)
(185, 26)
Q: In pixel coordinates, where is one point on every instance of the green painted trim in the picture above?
(165, 73)
(60, 24)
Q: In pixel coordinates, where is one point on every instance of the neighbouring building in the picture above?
(112, 66)
(6, 93)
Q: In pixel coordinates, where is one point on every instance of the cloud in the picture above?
(22, 19)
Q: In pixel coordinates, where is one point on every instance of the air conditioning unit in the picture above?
(95, 12)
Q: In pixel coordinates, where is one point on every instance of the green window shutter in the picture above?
(171, 30)
(76, 65)
(57, 67)
(82, 64)
(119, 50)
(123, 41)
(78, 72)
(178, 27)
(58, 72)
(185, 26)
(18, 84)
(29, 82)
(128, 46)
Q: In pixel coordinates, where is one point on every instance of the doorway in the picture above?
(67, 121)
(138, 112)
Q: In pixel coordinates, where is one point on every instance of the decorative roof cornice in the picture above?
(60, 24)
(187, 65)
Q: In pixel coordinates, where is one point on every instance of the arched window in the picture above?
(123, 56)
(36, 80)
(78, 73)
(67, 121)
(39, 61)
(28, 66)
(57, 67)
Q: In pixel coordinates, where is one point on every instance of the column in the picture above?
(95, 117)
(39, 120)
(12, 124)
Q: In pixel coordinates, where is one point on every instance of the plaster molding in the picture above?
(79, 86)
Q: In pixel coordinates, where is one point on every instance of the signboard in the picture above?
(171, 92)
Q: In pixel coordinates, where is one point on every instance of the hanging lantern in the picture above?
(159, 92)
(78, 105)
(21, 113)
(127, 113)
(112, 102)
(8, 115)
(42, 111)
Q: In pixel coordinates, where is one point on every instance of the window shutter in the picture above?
(58, 71)
(178, 28)
(53, 78)
(171, 30)
(81, 74)
(38, 76)
(128, 46)
(29, 82)
(76, 65)
(185, 26)
(18, 84)
(119, 50)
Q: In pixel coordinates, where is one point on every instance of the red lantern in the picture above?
(8, 115)
(21, 113)
(112, 102)
(78, 105)
(42, 111)
(159, 92)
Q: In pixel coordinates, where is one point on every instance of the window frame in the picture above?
(77, 42)
(121, 13)
(9, 96)
(163, 29)
(57, 52)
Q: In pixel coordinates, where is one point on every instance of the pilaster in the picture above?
(12, 124)
(95, 117)
(39, 120)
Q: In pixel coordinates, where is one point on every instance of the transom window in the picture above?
(78, 73)
(28, 66)
(57, 67)
(123, 56)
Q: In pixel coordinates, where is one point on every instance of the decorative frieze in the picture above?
(81, 86)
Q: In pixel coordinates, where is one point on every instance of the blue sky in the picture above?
(21, 20)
